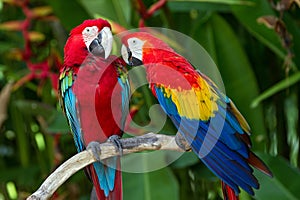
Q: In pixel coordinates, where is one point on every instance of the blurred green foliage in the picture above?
(256, 63)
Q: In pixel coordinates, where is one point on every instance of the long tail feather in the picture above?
(107, 181)
(228, 192)
(117, 193)
(94, 177)
(258, 164)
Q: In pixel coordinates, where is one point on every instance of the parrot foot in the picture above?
(96, 150)
(182, 143)
(115, 140)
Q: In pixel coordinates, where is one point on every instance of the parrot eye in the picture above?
(93, 30)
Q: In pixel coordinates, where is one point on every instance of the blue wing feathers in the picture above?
(125, 100)
(228, 169)
(216, 143)
(222, 111)
(70, 109)
(230, 174)
(166, 103)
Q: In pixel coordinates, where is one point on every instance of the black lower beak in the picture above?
(132, 60)
(96, 47)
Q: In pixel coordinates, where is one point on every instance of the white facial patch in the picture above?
(136, 47)
(89, 34)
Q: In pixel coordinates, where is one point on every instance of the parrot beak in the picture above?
(102, 44)
(129, 58)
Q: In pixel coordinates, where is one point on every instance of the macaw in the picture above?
(93, 95)
(207, 120)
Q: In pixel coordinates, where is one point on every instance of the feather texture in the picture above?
(203, 115)
(92, 96)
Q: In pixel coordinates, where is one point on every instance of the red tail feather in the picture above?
(258, 164)
(228, 192)
(116, 194)
(99, 192)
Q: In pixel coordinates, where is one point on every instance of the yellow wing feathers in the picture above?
(196, 103)
(242, 121)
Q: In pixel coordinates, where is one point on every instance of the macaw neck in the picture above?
(88, 63)
(75, 58)
(169, 69)
(75, 51)
(157, 55)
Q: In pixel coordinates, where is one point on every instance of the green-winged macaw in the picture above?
(206, 119)
(93, 94)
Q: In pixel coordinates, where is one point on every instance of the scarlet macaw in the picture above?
(93, 94)
(205, 118)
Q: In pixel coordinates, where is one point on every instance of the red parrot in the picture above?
(207, 120)
(93, 96)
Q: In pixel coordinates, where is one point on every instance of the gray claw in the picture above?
(96, 150)
(182, 143)
(115, 140)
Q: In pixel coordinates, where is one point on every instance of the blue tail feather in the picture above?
(106, 174)
(234, 167)
(228, 169)
(225, 152)
(229, 175)
(99, 168)
(110, 172)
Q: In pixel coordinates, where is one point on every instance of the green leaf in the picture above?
(204, 5)
(118, 11)
(34, 108)
(57, 123)
(229, 2)
(291, 111)
(156, 185)
(284, 84)
(187, 159)
(70, 13)
(22, 175)
(248, 15)
(23, 144)
(5, 47)
(293, 29)
(188, 6)
(285, 183)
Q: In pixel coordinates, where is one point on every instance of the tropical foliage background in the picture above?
(255, 44)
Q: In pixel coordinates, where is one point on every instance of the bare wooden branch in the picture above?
(149, 141)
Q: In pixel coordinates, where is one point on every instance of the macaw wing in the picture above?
(204, 119)
(230, 106)
(125, 92)
(68, 102)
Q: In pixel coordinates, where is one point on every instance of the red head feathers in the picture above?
(93, 35)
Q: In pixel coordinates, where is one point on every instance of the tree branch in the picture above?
(149, 141)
